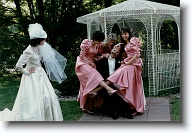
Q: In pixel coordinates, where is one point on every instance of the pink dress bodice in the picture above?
(133, 49)
(88, 51)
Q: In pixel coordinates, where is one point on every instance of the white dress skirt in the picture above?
(36, 99)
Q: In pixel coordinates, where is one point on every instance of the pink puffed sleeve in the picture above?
(84, 48)
(135, 44)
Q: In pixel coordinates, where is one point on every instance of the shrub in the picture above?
(71, 85)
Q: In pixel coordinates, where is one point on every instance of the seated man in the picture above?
(113, 104)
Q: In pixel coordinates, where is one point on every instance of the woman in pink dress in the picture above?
(86, 71)
(128, 75)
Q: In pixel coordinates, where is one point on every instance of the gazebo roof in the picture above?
(131, 7)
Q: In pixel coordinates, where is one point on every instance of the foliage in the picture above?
(169, 35)
(170, 2)
(71, 85)
(169, 92)
(11, 51)
(12, 41)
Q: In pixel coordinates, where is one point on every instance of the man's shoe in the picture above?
(115, 115)
(128, 116)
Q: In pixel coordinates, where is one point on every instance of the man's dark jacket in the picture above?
(102, 67)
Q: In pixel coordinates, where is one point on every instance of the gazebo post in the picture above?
(105, 28)
(159, 36)
(179, 37)
(152, 79)
(88, 31)
(178, 27)
(152, 55)
(152, 49)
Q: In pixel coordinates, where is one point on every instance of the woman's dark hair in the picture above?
(122, 53)
(126, 30)
(98, 36)
(36, 41)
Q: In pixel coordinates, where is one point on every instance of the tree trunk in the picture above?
(20, 16)
(41, 12)
(108, 3)
(31, 9)
(53, 10)
(63, 48)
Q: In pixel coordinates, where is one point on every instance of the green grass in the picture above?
(71, 110)
(175, 109)
(174, 102)
(8, 91)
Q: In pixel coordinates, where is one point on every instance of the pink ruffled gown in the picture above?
(88, 76)
(129, 77)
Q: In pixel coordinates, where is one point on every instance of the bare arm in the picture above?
(132, 60)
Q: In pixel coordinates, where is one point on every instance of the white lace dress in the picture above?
(36, 99)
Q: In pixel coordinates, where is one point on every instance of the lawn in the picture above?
(8, 90)
(71, 111)
(175, 109)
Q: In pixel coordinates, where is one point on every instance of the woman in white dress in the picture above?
(36, 99)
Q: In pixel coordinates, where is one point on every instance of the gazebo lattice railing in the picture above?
(145, 18)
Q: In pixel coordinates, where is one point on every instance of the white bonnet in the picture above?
(36, 31)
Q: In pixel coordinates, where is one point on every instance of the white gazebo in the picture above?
(145, 18)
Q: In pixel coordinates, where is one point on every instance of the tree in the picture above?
(31, 9)
(169, 35)
(170, 2)
(41, 12)
(108, 3)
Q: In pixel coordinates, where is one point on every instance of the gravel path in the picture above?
(64, 98)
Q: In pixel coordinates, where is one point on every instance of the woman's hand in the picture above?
(100, 57)
(95, 59)
(122, 62)
(93, 65)
(126, 63)
(31, 70)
